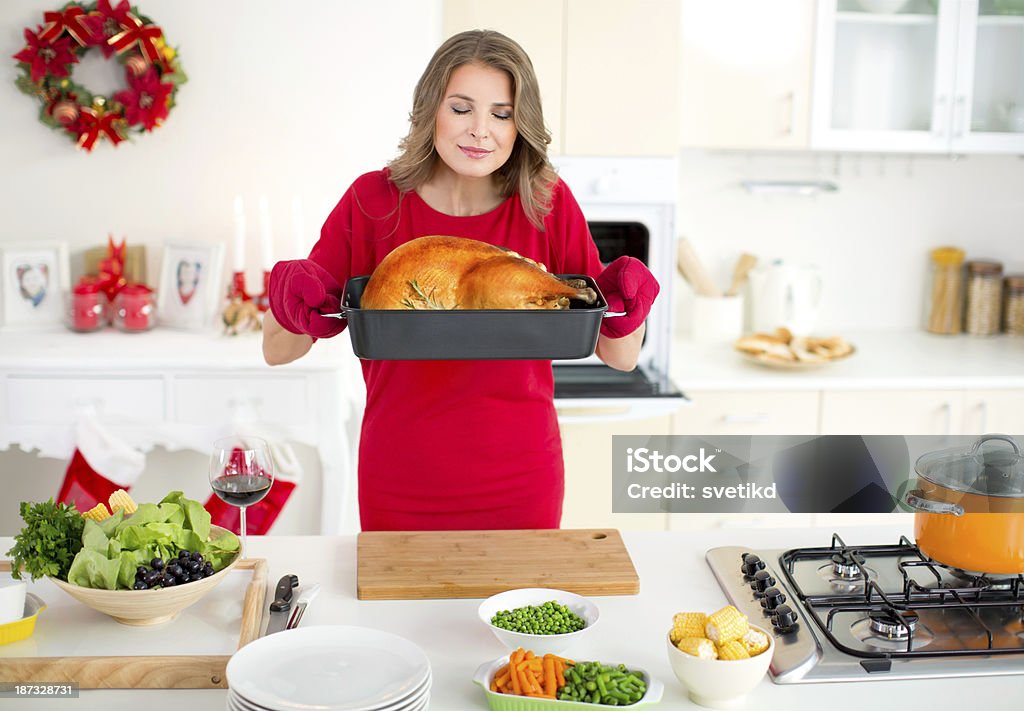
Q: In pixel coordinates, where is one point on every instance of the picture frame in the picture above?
(189, 290)
(34, 279)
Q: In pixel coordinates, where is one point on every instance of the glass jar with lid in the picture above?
(945, 304)
(1013, 304)
(984, 297)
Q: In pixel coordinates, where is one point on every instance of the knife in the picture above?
(305, 598)
(280, 608)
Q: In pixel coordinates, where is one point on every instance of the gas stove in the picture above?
(846, 613)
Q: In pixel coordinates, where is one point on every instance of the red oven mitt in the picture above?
(627, 285)
(300, 290)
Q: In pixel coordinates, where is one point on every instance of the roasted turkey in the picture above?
(458, 273)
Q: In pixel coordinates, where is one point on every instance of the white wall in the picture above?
(871, 238)
(283, 99)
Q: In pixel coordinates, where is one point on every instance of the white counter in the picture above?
(883, 360)
(673, 575)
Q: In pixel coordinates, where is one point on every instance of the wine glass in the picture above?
(241, 473)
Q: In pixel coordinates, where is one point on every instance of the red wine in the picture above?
(241, 490)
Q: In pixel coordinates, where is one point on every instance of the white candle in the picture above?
(239, 234)
(301, 251)
(266, 235)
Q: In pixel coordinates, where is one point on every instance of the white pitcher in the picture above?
(785, 295)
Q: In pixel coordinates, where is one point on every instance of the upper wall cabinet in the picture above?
(608, 69)
(919, 76)
(745, 73)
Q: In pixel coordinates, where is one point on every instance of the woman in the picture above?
(459, 444)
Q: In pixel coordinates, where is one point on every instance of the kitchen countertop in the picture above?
(884, 360)
(673, 575)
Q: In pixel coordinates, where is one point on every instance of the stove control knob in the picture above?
(773, 597)
(762, 581)
(751, 564)
(784, 619)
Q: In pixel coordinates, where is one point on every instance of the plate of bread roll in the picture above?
(781, 349)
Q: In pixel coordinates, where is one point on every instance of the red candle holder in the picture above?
(237, 288)
(87, 308)
(135, 308)
(263, 300)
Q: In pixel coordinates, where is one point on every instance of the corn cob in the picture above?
(687, 624)
(121, 500)
(700, 647)
(755, 642)
(725, 625)
(733, 649)
(97, 513)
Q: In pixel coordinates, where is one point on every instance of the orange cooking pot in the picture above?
(970, 506)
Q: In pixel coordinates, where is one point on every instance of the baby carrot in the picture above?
(549, 676)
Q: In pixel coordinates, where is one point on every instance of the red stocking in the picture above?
(260, 516)
(100, 466)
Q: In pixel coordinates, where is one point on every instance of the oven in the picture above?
(629, 204)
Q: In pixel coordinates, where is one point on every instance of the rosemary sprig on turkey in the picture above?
(428, 301)
(430, 272)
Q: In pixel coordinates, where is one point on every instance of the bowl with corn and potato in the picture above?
(720, 657)
(544, 620)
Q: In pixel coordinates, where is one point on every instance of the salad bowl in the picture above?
(148, 607)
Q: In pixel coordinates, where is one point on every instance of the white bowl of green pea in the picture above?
(541, 620)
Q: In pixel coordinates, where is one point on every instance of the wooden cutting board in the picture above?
(415, 565)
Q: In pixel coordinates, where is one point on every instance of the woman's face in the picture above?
(474, 131)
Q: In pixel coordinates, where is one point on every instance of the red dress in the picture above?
(455, 445)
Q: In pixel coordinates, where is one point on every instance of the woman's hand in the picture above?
(621, 353)
(300, 292)
(281, 346)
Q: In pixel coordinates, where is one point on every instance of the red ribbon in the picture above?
(111, 277)
(144, 35)
(71, 20)
(95, 127)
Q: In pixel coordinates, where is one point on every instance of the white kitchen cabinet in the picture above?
(587, 450)
(891, 412)
(748, 412)
(939, 76)
(745, 412)
(745, 72)
(607, 69)
(988, 411)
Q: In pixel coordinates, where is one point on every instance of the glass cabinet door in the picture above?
(884, 74)
(989, 104)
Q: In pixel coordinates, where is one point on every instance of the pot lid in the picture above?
(992, 466)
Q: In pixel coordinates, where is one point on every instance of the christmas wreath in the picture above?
(152, 71)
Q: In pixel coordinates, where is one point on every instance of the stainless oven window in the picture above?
(618, 239)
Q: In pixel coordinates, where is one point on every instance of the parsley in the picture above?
(49, 541)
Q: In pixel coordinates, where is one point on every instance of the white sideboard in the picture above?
(180, 390)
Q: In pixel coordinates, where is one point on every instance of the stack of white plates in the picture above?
(330, 668)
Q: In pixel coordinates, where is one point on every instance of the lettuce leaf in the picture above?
(92, 569)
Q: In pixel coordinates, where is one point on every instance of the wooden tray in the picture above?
(414, 565)
(146, 672)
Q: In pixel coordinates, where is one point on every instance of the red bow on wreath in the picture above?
(74, 19)
(95, 126)
(145, 35)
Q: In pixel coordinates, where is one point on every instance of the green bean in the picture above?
(595, 683)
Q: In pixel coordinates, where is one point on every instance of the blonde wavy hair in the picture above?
(527, 170)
